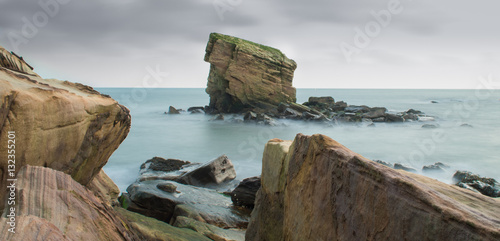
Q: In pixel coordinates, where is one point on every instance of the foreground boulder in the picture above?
(50, 205)
(58, 124)
(317, 189)
(246, 75)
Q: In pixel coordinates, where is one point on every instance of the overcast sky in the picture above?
(118, 43)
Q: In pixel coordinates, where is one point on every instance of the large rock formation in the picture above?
(58, 124)
(50, 205)
(244, 75)
(317, 189)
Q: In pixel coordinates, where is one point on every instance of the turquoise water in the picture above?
(194, 138)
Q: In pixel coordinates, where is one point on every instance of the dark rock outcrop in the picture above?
(207, 204)
(484, 185)
(317, 189)
(244, 194)
(245, 75)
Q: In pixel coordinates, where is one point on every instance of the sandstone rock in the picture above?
(173, 110)
(316, 189)
(210, 231)
(244, 193)
(211, 206)
(154, 230)
(11, 61)
(246, 75)
(216, 171)
(61, 125)
(103, 187)
(50, 205)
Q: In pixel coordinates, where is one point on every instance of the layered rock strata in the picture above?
(246, 75)
(58, 124)
(317, 189)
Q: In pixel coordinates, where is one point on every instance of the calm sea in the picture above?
(193, 137)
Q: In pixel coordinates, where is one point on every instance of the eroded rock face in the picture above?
(58, 124)
(246, 75)
(317, 189)
(50, 205)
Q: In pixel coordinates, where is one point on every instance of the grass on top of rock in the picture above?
(243, 42)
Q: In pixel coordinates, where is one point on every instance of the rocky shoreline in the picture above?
(311, 188)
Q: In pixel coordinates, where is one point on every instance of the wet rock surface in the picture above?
(212, 206)
(487, 186)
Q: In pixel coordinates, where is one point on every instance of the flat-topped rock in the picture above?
(246, 75)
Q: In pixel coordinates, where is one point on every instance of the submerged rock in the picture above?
(317, 189)
(247, 75)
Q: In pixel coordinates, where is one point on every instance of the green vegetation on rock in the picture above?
(246, 43)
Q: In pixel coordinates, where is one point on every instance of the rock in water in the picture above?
(173, 110)
(65, 126)
(52, 206)
(317, 189)
(244, 75)
(216, 171)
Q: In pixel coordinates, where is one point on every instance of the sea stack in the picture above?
(246, 75)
